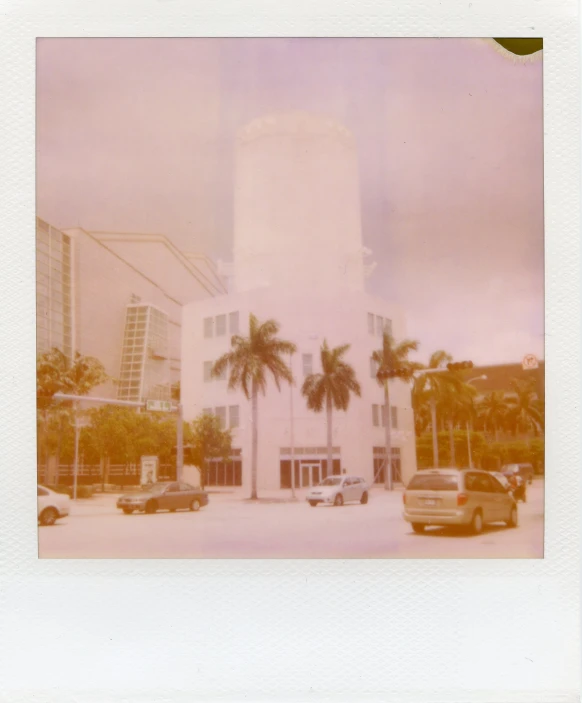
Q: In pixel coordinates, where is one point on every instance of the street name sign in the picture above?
(159, 406)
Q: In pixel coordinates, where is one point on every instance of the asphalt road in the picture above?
(232, 527)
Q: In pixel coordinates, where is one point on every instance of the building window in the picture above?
(207, 411)
(370, 323)
(233, 322)
(220, 325)
(208, 370)
(222, 376)
(221, 415)
(375, 413)
(388, 326)
(373, 368)
(379, 325)
(394, 417)
(208, 326)
(233, 419)
(307, 364)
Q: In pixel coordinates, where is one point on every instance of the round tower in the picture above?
(297, 206)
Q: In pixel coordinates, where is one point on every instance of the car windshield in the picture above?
(433, 482)
(331, 481)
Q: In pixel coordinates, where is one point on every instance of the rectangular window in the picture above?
(373, 368)
(233, 322)
(207, 411)
(221, 415)
(388, 326)
(383, 411)
(370, 323)
(207, 370)
(307, 360)
(233, 419)
(222, 376)
(394, 417)
(379, 325)
(220, 325)
(375, 420)
(208, 326)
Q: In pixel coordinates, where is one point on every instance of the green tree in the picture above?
(428, 390)
(208, 441)
(250, 360)
(392, 362)
(56, 372)
(493, 409)
(331, 388)
(525, 411)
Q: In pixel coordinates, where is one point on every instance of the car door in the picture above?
(187, 495)
(503, 501)
(492, 498)
(348, 489)
(170, 499)
(483, 494)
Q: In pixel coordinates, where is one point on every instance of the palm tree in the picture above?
(249, 359)
(429, 388)
(525, 411)
(392, 362)
(331, 387)
(455, 403)
(493, 409)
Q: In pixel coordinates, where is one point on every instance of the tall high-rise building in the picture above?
(54, 289)
(299, 259)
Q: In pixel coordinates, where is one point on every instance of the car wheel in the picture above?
(512, 521)
(313, 503)
(48, 516)
(151, 507)
(339, 499)
(477, 523)
(127, 511)
(195, 505)
(364, 498)
(418, 527)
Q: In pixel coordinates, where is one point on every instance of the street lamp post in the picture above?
(477, 378)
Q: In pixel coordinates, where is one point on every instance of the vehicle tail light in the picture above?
(462, 498)
(404, 498)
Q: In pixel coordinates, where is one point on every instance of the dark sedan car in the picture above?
(164, 496)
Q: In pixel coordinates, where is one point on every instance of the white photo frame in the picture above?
(490, 630)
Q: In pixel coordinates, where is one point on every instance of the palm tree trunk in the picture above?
(452, 442)
(254, 441)
(435, 439)
(496, 432)
(328, 408)
(387, 431)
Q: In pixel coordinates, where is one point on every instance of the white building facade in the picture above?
(299, 259)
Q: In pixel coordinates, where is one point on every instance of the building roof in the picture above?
(156, 257)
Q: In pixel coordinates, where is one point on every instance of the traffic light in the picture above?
(460, 365)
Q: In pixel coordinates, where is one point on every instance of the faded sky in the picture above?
(138, 135)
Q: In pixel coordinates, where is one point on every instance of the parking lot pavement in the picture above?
(233, 527)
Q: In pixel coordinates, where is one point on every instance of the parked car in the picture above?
(168, 495)
(526, 471)
(51, 505)
(461, 497)
(338, 490)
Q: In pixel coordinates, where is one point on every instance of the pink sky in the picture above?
(138, 135)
